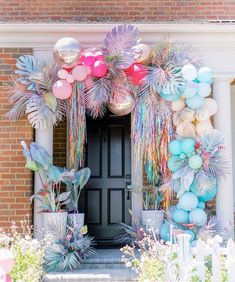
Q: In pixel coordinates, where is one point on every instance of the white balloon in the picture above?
(186, 129)
(211, 106)
(178, 105)
(190, 89)
(204, 89)
(189, 72)
(204, 127)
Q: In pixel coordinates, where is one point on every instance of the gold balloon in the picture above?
(124, 106)
(142, 53)
(67, 52)
(186, 129)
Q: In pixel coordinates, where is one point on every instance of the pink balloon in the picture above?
(62, 89)
(62, 74)
(6, 260)
(79, 73)
(99, 69)
(99, 56)
(88, 58)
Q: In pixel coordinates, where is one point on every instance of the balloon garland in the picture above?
(166, 89)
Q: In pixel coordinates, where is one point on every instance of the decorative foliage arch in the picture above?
(165, 87)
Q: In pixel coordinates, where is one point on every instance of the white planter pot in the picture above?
(77, 219)
(153, 218)
(54, 224)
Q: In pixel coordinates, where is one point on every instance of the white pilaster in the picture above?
(43, 137)
(224, 198)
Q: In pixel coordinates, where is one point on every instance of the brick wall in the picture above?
(15, 180)
(118, 10)
(59, 145)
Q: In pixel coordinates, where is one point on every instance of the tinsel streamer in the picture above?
(77, 126)
(152, 130)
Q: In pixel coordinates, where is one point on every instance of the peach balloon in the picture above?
(70, 78)
(62, 74)
(204, 127)
(211, 105)
(178, 105)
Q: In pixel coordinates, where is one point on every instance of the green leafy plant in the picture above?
(67, 254)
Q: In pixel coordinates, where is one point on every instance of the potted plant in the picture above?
(76, 181)
(152, 215)
(52, 202)
(50, 196)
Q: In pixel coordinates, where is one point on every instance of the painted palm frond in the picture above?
(97, 96)
(48, 75)
(27, 65)
(40, 116)
(185, 53)
(218, 167)
(166, 78)
(204, 182)
(119, 43)
(18, 97)
(186, 176)
(213, 141)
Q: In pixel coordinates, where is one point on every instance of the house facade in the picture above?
(34, 28)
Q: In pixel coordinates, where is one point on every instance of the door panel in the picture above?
(105, 200)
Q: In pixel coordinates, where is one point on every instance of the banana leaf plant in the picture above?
(76, 181)
(51, 199)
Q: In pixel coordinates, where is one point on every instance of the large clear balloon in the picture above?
(67, 52)
(124, 106)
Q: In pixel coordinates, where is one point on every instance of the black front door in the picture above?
(105, 198)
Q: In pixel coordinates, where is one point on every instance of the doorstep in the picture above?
(106, 265)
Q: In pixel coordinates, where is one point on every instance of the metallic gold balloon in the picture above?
(67, 52)
(142, 53)
(124, 106)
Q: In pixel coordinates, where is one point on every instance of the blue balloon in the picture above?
(180, 216)
(204, 89)
(192, 234)
(175, 147)
(204, 74)
(165, 231)
(195, 102)
(188, 201)
(201, 205)
(173, 163)
(170, 97)
(198, 217)
(187, 145)
(195, 161)
(209, 195)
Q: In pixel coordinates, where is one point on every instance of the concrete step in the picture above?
(85, 275)
(106, 265)
(104, 258)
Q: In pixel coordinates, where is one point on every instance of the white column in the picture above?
(43, 137)
(224, 197)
